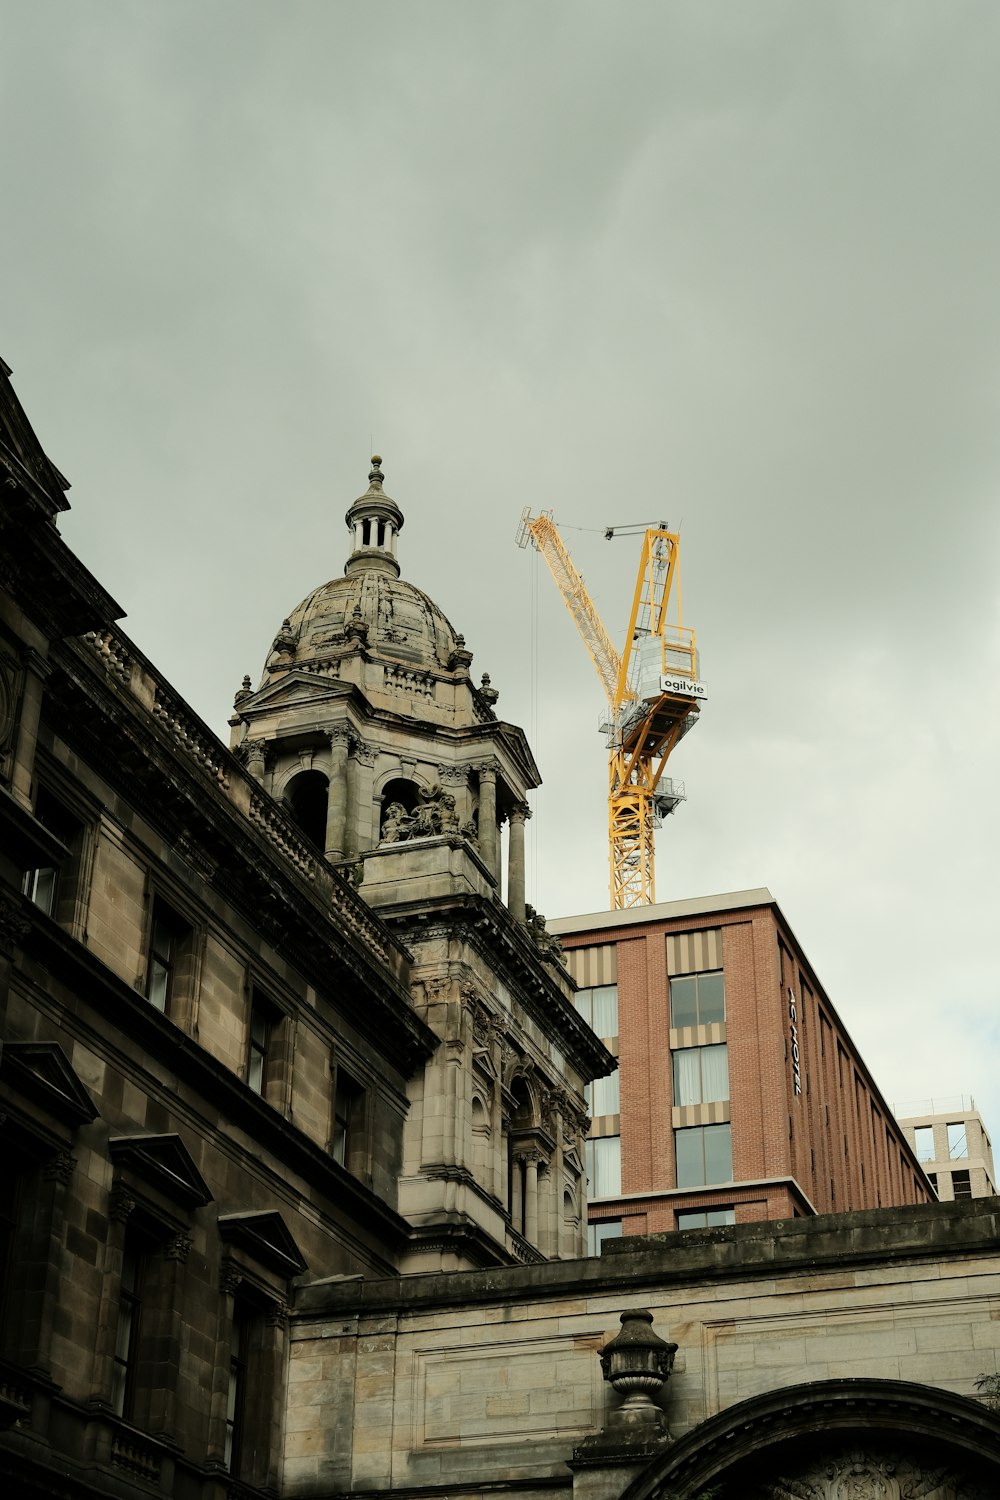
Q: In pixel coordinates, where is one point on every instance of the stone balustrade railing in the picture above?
(197, 742)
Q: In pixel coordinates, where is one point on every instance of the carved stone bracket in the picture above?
(59, 1168)
(14, 925)
(178, 1247)
(120, 1203)
(230, 1277)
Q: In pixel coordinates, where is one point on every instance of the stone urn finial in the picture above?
(636, 1363)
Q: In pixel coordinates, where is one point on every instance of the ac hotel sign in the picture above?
(793, 1029)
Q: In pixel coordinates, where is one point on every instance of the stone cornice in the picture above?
(742, 1252)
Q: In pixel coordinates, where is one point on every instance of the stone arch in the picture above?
(305, 795)
(826, 1439)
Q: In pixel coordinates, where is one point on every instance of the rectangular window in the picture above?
(603, 1157)
(261, 1026)
(710, 1219)
(599, 1008)
(127, 1332)
(961, 1184)
(236, 1403)
(347, 1145)
(603, 1096)
(50, 887)
(607, 1229)
(701, 1074)
(704, 1155)
(168, 938)
(697, 1000)
(932, 1179)
(923, 1142)
(958, 1140)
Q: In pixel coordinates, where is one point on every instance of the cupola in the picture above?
(375, 521)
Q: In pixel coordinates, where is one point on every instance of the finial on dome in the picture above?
(376, 476)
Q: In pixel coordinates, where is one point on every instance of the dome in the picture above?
(370, 604)
(394, 618)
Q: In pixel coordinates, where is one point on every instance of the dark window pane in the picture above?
(711, 999)
(683, 1002)
(718, 1153)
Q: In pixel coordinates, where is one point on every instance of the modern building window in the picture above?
(701, 1074)
(697, 1000)
(603, 1096)
(704, 1155)
(603, 1157)
(599, 1008)
(958, 1140)
(961, 1184)
(710, 1219)
(932, 1179)
(347, 1145)
(606, 1229)
(923, 1142)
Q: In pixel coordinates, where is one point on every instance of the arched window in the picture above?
(305, 798)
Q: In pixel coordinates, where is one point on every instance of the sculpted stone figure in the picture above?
(396, 824)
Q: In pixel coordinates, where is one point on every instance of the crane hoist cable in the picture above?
(653, 690)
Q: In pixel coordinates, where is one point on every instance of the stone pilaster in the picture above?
(336, 797)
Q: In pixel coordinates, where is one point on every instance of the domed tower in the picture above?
(368, 726)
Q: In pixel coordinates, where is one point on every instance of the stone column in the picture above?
(488, 829)
(336, 795)
(519, 815)
(36, 670)
(218, 1401)
(531, 1160)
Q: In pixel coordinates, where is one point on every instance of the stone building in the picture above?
(272, 1037)
(831, 1358)
(740, 1096)
(224, 1069)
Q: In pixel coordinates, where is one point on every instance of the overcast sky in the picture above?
(729, 265)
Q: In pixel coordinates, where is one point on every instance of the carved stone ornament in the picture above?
(455, 775)
(230, 1277)
(875, 1472)
(59, 1168)
(120, 1203)
(364, 753)
(434, 814)
(178, 1248)
(14, 925)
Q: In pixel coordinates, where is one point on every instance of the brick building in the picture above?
(740, 1095)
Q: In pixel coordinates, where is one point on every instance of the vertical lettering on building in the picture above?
(793, 1027)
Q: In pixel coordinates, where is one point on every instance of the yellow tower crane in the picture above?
(653, 692)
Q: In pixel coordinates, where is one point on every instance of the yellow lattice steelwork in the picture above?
(652, 689)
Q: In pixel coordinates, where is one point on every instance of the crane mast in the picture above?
(653, 692)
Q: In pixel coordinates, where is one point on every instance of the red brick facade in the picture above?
(810, 1130)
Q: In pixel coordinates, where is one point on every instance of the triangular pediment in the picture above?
(293, 690)
(41, 1072)
(263, 1236)
(164, 1162)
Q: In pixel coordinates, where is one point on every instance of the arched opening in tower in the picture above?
(399, 798)
(306, 798)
